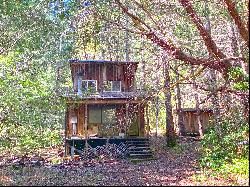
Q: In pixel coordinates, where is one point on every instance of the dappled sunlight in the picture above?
(5, 180)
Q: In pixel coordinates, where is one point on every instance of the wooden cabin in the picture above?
(190, 119)
(104, 103)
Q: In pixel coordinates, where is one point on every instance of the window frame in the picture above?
(112, 87)
(87, 80)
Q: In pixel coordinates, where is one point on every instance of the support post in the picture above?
(86, 127)
(72, 150)
(139, 120)
(148, 128)
(127, 106)
(65, 131)
(189, 121)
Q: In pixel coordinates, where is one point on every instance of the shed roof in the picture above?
(195, 110)
(73, 61)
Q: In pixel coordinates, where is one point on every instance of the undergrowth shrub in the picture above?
(24, 139)
(237, 166)
(227, 153)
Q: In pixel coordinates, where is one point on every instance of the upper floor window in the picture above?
(89, 86)
(112, 86)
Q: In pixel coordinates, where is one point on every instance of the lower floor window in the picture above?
(102, 121)
(102, 114)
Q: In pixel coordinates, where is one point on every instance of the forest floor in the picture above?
(178, 166)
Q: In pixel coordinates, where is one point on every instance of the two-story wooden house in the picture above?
(104, 104)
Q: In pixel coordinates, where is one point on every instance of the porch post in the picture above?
(139, 119)
(86, 127)
(127, 106)
(65, 131)
(189, 121)
(147, 120)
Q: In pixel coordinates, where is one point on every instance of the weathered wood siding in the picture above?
(106, 71)
(79, 112)
(191, 124)
(136, 110)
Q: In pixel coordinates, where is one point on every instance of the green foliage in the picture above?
(239, 78)
(172, 143)
(237, 166)
(31, 112)
(177, 148)
(25, 138)
(220, 152)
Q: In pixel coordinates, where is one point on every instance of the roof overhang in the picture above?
(77, 61)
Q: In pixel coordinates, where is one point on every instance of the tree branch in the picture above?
(236, 17)
(222, 64)
(136, 20)
(210, 44)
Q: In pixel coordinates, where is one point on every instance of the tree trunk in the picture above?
(213, 84)
(170, 133)
(197, 107)
(182, 130)
(156, 115)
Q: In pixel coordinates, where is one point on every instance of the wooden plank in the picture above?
(126, 119)
(139, 119)
(86, 74)
(122, 77)
(125, 70)
(80, 128)
(71, 113)
(65, 129)
(86, 126)
(104, 72)
(142, 120)
(77, 62)
(100, 84)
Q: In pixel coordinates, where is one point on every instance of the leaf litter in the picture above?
(49, 167)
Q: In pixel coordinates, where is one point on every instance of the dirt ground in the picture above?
(177, 166)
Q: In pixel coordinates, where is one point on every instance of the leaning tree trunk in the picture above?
(170, 133)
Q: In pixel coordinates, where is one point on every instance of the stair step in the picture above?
(140, 152)
(139, 145)
(138, 148)
(137, 160)
(140, 155)
(138, 139)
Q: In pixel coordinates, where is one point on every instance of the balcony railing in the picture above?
(66, 92)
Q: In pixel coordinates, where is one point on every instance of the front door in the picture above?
(133, 128)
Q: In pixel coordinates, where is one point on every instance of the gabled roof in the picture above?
(77, 61)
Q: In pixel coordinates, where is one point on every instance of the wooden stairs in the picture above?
(139, 149)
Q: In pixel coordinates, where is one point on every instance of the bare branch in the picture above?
(136, 20)
(118, 24)
(236, 17)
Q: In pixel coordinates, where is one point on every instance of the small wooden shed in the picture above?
(190, 119)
